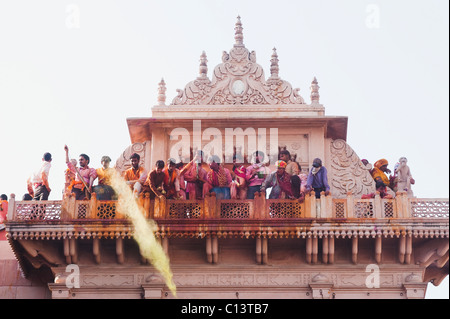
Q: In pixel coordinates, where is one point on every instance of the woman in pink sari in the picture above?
(195, 176)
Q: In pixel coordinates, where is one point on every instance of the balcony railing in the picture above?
(211, 208)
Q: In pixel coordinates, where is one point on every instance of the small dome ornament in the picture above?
(238, 35)
(162, 92)
(315, 96)
(274, 67)
(203, 65)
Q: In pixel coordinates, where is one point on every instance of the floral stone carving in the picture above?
(238, 80)
(347, 172)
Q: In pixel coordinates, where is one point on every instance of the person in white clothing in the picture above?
(37, 183)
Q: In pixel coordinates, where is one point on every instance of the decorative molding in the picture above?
(238, 80)
(123, 162)
(348, 172)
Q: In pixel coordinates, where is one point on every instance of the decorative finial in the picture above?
(162, 92)
(239, 37)
(203, 65)
(274, 68)
(315, 91)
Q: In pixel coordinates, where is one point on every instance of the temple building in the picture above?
(341, 245)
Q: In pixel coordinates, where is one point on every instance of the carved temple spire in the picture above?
(162, 92)
(315, 91)
(274, 67)
(203, 65)
(239, 36)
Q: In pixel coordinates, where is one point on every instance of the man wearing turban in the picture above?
(379, 174)
(280, 181)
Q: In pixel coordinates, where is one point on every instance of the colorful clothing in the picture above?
(292, 168)
(257, 178)
(139, 175)
(219, 182)
(377, 173)
(104, 175)
(171, 182)
(221, 178)
(193, 176)
(155, 181)
(318, 181)
(281, 185)
(86, 173)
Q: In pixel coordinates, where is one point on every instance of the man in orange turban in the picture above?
(379, 174)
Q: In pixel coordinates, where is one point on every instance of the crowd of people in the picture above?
(191, 181)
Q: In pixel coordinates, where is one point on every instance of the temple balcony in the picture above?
(325, 233)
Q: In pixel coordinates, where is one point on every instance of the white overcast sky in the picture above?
(71, 72)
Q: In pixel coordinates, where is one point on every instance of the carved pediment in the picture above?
(238, 80)
(348, 173)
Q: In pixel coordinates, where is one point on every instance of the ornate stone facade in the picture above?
(337, 246)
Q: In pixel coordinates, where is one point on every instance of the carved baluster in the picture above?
(308, 248)
(96, 250)
(325, 250)
(315, 248)
(258, 250)
(215, 249)
(119, 250)
(378, 249)
(147, 205)
(11, 207)
(331, 249)
(93, 206)
(350, 205)
(209, 250)
(355, 249)
(66, 245)
(408, 249)
(402, 247)
(378, 206)
(264, 250)
(73, 250)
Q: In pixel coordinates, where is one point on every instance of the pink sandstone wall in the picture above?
(12, 283)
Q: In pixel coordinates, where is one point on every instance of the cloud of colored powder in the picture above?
(144, 230)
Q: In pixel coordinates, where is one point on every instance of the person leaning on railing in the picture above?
(279, 181)
(318, 179)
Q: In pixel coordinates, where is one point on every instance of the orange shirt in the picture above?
(133, 175)
(104, 176)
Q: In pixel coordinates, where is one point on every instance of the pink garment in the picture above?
(303, 180)
(86, 172)
(255, 179)
(193, 187)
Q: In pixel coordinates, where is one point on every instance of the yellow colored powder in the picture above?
(144, 230)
